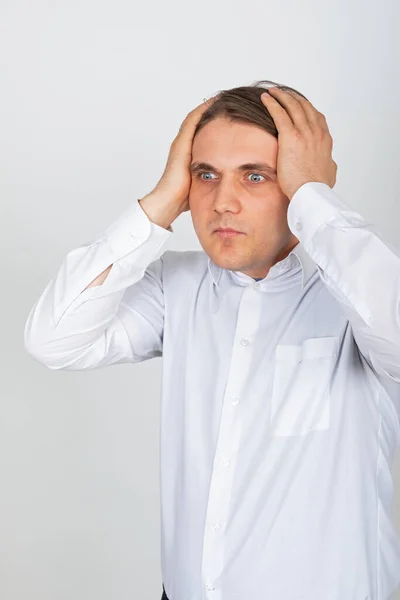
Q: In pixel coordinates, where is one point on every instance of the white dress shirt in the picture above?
(280, 412)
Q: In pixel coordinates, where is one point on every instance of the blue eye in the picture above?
(257, 175)
(201, 173)
(204, 173)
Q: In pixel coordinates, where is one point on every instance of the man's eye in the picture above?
(209, 173)
(203, 173)
(257, 175)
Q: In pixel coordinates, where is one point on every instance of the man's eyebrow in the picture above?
(258, 166)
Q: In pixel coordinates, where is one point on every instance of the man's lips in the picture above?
(227, 229)
(228, 232)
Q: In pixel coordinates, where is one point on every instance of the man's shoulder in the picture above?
(177, 263)
(184, 267)
(187, 268)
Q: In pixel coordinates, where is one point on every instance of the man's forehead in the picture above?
(250, 143)
(241, 129)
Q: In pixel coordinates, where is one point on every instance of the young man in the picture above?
(281, 355)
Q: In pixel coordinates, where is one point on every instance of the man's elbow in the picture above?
(39, 354)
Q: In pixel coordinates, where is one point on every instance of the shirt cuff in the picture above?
(131, 230)
(314, 205)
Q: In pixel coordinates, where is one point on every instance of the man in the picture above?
(281, 355)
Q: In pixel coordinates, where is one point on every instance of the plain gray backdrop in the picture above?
(92, 93)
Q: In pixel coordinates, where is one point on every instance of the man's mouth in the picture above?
(227, 232)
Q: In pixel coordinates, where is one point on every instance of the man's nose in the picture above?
(226, 197)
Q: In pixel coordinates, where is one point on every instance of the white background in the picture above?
(92, 93)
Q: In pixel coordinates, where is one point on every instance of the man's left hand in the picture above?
(304, 141)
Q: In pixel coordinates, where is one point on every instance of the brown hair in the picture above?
(244, 105)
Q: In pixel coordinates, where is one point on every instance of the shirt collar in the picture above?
(297, 255)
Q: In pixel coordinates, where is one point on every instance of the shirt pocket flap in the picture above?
(321, 347)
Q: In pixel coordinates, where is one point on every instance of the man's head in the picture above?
(238, 130)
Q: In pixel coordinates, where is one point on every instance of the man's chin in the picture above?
(226, 254)
(223, 260)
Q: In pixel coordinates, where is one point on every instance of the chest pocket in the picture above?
(300, 401)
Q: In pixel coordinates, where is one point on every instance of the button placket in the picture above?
(228, 442)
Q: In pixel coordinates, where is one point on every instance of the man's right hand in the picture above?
(170, 196)
(173, 188)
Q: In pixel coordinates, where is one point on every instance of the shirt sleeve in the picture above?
(359, 268)
(74, 328)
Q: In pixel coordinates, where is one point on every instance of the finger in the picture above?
(293, 107)
(316, 119)
(314, 116)
(322, 121)
(183, 141)
(193, 117)
(207, 102)
(280, 116)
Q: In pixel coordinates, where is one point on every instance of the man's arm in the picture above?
(160, 215)
(84, 319)
(357, 266)
(106, 304)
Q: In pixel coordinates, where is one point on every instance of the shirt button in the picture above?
(215, 526)
(244, 342)
(256, 285)
(225, 462)
(210, 587)
(235, 400)
(299, 225)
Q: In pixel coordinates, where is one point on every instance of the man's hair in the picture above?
(244, 105)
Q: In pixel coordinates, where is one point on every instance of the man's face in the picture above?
(249, 201)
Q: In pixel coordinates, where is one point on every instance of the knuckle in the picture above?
(297, 134)
(324, 135)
